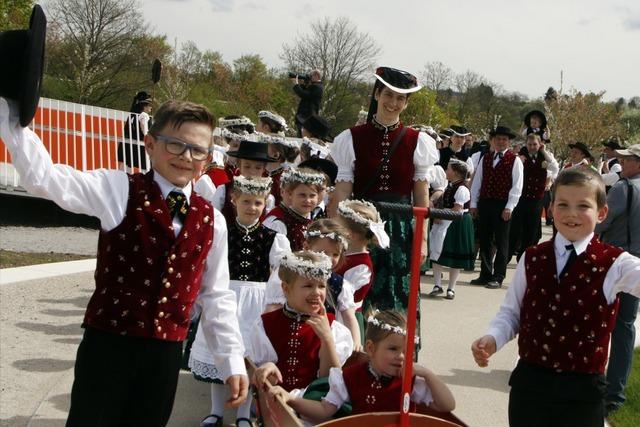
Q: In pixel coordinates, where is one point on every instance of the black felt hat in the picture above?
(503, 130)
(582, 147)
(318, 127)
(22, 53)
(396, 80)
(322, 165)
(143, 97)
(459, 130)
(543, 118)
(613, 143)
(252, 150)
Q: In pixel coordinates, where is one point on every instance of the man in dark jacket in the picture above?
(310, 95)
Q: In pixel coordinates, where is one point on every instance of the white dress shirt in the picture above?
(621, 277)
(516, 181)
(104, 194)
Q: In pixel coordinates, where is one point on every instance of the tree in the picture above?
(344, 55)
(437, 76)
(14, 14)
(98, 50)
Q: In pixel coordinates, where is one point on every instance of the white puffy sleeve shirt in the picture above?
(343, 154)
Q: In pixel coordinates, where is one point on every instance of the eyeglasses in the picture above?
(178, 147)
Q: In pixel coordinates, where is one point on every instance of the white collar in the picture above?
(166, 187)
(579, 245)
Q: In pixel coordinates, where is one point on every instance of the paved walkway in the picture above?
(40, 331)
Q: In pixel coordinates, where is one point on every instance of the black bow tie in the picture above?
(178, 205)
(498, 156)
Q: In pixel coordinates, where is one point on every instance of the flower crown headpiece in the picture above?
(224, 132)
(313, 270)
(256, 186)
(333, 236)
(387, 327)
(242, 121)
(376, 227)
(308, 178)
(287, 142)
(315, 148)
(273, 116)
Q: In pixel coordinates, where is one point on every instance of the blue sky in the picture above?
(522, 45)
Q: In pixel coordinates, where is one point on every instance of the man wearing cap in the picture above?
(495, 191)
(621, 228)
(383, 160)
(611, 167)
(310, 95)
(455, 149)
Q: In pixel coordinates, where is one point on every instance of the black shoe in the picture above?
(247, 421)
(479, 281)
(610, 408)
(437, 290)
(493, 285)
(212, 420)
(451, 294)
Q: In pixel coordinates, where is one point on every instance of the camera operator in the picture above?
(309, 90)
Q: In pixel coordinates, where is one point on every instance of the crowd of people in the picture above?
(271, 247)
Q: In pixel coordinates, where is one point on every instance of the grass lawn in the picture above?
(10, 259)
(629, 414)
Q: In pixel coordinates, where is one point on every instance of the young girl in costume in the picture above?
(452, 243)
(285, 151)
(364, 228)
(301, 341)
(376, 385)
(253, 251)
(302, 187)
(329, 237)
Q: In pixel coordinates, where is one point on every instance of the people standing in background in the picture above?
(131, 152)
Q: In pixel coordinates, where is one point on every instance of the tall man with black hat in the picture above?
(495, 191)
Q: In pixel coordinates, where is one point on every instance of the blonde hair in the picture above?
(375, 332)
(366, 211)
(289, 275)
(327, 226)
(290, 185)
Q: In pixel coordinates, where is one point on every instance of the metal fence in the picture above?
(82, 136)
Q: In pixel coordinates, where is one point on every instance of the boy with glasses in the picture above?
(161, 248)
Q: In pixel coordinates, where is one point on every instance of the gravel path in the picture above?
(64, 240)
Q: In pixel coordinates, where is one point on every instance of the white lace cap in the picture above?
(333, 236)
(387, 327)
(376, 227)
(258, 186)
(273, 116)
(313, 270)
(308, 178)
(225, 123)
(316, 149)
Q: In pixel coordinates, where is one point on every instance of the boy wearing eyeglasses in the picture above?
(161, 249)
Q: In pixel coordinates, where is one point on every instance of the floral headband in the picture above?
(273, 116)
(315, 148)
(308, 178)
(387, 327)
(313, 270)
(242, 121)
(224, 132)
(333, 236)
(376, 227)
(255, 186)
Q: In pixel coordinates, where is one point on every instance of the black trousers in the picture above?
(542, 397)
(525, 226)
(493, 229)
(123, 381)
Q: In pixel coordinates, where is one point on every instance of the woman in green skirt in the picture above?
(383, 160)
(456, 250)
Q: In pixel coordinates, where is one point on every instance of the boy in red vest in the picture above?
(563, 302)
(161, 248)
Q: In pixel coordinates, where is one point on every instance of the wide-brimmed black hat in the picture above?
(318, 127)
(503, 130)
(396, 80)
(322, 165)
(143, 97)
(445, 133)
(22, 53)
(582, 147)
(613, 143)
(543, 118)
(252, 150)
(459, 130)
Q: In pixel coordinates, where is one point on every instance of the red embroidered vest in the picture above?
(228, 210)
(448, 197)
(297, 347)
(566, 325)
(146, 278)
(353, 260)
(275, 185)
(369, 394)
(534, 178)
(296, 225)
(370, 145)
(231, 171)
(218, 175)
(496, 182)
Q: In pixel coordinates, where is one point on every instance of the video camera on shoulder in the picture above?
(305, 78)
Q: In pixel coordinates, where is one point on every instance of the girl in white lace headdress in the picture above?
(365, 229)
(253, 251)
